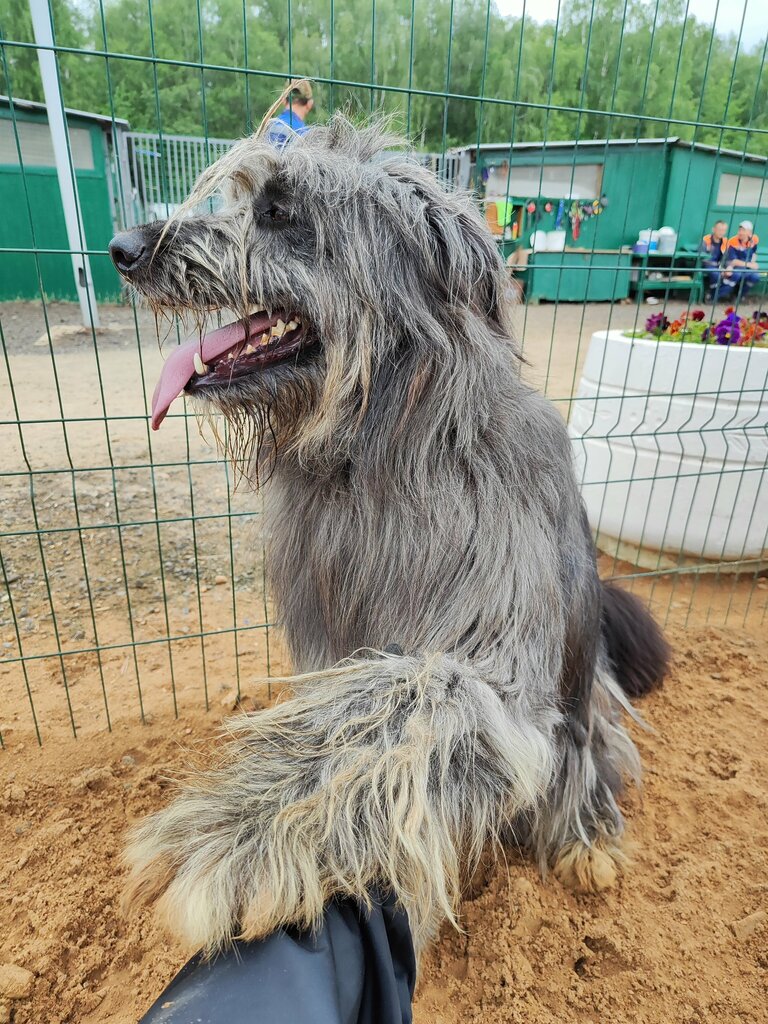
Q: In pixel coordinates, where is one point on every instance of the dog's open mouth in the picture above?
(227, 354)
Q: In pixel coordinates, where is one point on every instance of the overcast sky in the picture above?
(729, 14)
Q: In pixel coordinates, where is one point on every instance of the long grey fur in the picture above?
(418, 493)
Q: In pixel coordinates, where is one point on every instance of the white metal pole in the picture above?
(41, 22)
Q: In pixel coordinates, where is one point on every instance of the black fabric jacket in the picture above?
(358, 968)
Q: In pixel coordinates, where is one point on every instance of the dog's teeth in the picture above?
(279, 329)
(200, 367)
(264, 339)
(249, 350)
(292, 325)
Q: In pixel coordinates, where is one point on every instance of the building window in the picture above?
(735, 190)
(564, 181)
(37, 148)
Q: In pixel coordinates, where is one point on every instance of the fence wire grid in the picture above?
(131, 566)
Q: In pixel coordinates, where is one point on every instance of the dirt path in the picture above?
(142, 537)
(670, 945)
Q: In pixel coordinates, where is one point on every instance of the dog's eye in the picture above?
(272, 213)
(272, 207)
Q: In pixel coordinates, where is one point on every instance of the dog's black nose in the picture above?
(127, 251)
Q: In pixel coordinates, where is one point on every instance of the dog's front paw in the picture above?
(218, 868)
(369, 777)
(177, 864)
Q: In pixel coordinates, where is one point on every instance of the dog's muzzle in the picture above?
(129, 251)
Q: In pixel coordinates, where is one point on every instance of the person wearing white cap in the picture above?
(741, 273)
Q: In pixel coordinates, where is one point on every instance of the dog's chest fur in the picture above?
(353, 565)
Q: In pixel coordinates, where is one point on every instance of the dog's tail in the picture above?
(638, 653)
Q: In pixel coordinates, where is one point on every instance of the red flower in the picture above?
(697, 314)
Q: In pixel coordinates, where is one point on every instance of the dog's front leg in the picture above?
(393, 772)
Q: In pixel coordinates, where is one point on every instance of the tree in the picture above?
(608, 68)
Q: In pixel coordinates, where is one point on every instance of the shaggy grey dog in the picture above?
(428, 553)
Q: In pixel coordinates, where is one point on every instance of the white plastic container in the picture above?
(667, 241)
(539, 241)
(649, 238)
(671, 447)
(555, 241)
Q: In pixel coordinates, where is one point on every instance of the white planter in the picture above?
(671, 446)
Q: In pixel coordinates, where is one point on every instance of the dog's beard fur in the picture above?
(420, 494)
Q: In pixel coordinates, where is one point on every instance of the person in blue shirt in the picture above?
(740, 274)
(298, 104)
(712, 249)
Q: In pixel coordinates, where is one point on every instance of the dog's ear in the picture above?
(466, 270)
(466, 256)
(365, 142)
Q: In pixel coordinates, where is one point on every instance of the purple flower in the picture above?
(656, 324)
(728, 331)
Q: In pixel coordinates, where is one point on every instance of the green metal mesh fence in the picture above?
(132, 568)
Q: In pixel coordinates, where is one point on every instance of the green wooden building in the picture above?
(631, 185)
(32, 214)
(601, 193)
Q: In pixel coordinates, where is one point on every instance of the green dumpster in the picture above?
(579, 275)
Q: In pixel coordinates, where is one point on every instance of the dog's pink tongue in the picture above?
(179, 367)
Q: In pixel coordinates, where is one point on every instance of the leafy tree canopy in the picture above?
(603, 58)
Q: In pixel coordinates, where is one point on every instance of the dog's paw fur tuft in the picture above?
(590, 869)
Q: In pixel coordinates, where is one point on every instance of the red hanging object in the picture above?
(548, 207)
(531, 207)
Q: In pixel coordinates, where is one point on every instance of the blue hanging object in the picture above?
(560, 214)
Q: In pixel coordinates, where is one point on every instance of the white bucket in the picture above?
(539, 241)
(555, 241)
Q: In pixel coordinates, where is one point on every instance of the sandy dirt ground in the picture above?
(117, 538)
(683, 939)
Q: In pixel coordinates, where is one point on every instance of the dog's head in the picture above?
(349, 281)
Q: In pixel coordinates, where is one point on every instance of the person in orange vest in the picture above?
(740, 274)
(712, 249)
